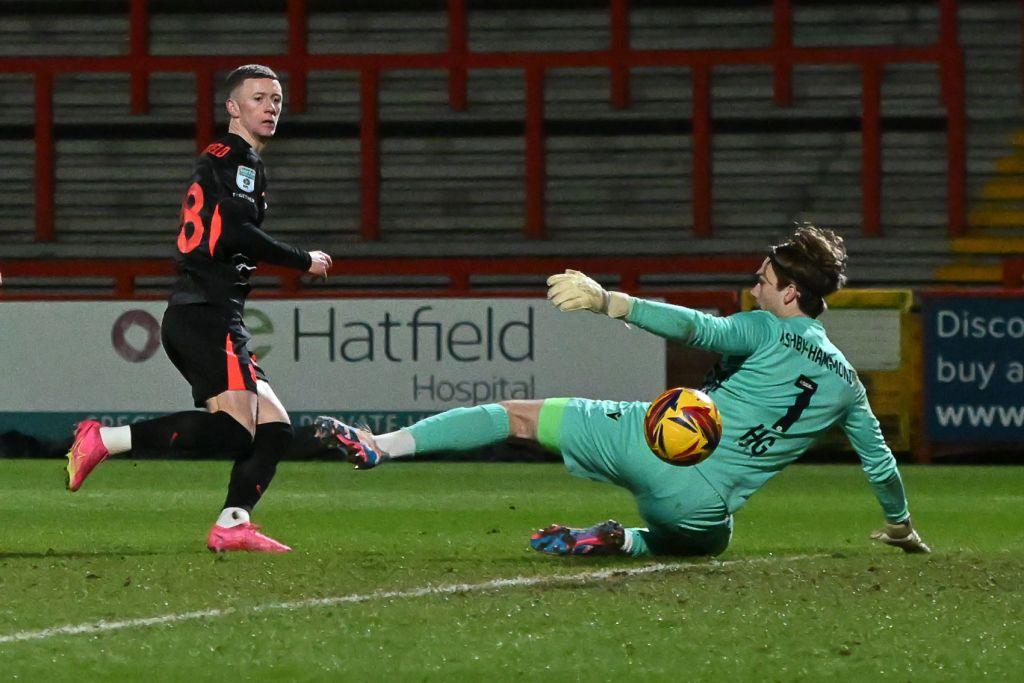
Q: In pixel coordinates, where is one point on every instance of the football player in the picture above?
(779, 385)
(220, 243)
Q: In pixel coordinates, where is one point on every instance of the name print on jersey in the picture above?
(816, 355)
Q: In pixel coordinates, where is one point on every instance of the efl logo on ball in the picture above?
(683, 426)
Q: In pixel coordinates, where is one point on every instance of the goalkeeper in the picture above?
(779, 385)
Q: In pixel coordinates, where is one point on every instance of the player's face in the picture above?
(766, 291)
(258, 106)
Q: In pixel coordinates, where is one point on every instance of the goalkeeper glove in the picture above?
(574, 291)
(903, 536)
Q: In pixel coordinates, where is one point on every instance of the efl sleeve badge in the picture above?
(245, 178)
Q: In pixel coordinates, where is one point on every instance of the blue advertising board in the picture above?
(974, 366)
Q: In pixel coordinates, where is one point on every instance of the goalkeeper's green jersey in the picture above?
(779, 385)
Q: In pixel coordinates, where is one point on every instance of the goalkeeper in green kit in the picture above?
(779, 385)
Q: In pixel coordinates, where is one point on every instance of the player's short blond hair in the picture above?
(244, 73)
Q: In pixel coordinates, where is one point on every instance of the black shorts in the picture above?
(208, 345)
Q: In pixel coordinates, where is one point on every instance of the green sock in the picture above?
(461, 429)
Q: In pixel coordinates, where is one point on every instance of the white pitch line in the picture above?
(104, 626)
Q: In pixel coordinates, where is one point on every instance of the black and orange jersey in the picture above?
(219, 239)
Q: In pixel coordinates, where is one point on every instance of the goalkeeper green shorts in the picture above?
(604, 441)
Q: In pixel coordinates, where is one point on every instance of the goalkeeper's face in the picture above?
(256, 106)
(767, 292)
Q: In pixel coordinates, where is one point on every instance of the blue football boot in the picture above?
(605, 538)
(357, 445)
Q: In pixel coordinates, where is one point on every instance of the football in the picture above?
(683, 426)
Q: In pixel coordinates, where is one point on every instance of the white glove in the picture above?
(902, 536)
(574, 291)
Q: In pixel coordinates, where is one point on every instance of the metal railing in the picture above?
(443, 277)
(619, 58)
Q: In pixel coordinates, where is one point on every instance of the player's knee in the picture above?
(232, 437)
(273, 439)
(522, 418)
(279, 431)
(686, 542)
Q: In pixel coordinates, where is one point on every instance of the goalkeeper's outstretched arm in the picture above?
(742, 333)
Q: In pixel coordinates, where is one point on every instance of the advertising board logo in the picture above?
(135, 336)
(258, 322)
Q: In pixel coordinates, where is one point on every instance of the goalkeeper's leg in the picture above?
(458, 429)
(684, 516)
(677, 540)
(603, 440)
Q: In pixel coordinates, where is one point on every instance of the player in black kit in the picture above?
(219, 246)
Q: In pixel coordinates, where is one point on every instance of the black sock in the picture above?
(253, 472)
(194, 432)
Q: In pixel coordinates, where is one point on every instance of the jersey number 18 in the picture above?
(192, 229)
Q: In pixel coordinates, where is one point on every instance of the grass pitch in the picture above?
(800, 595)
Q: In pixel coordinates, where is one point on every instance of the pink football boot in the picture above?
(86, 452)
(245, 536)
